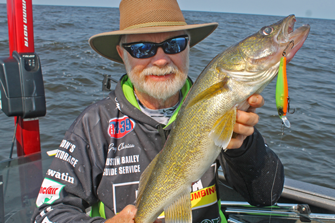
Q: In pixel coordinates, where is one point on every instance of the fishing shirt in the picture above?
(160, 115)
(100, 160)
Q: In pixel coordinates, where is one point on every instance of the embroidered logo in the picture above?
(49, 192)
(119, 127)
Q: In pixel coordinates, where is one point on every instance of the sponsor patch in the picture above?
(67, 145)
(119, 127)
(61, 176)
(49, 192)
(66, 157)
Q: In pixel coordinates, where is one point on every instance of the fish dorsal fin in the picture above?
(222, 130)
(145, 177)
(180, 211)
(213, 90)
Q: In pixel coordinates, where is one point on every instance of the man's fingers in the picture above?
(245, 121)
(245, 130)
(256, 101)
(246, 118)
(244, 126)
(251, 109)
(130, 210)
(237, 142)
(127, 215)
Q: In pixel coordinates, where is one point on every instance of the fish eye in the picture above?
(267, 30)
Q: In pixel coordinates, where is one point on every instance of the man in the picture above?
(103, 154)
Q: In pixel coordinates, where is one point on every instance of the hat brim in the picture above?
(105, 43)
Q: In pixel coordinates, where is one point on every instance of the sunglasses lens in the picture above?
(175, 45)
(146, 50)
(142, 50)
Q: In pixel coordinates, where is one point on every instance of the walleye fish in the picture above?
(204, 125)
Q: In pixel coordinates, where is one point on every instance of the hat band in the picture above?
(150, 24)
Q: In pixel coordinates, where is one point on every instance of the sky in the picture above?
(324, 9)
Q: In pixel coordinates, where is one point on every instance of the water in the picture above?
(73, 74)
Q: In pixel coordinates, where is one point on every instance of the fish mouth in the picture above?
(292, 39)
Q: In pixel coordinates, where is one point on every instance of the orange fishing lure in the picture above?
(282, 98)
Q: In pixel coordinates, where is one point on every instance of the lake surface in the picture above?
(73, 73)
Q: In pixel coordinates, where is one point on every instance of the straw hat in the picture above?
(147, 16)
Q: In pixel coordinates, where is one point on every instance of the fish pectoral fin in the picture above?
(213, 90)
(223, 128)
(179, 211)
(145, 177)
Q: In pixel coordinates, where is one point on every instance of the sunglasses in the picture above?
(143, 50)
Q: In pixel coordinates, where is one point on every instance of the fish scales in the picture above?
(205, 121)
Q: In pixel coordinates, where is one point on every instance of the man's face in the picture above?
(160, 76)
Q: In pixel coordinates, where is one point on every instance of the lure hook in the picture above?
(288, 106)
(290, 43)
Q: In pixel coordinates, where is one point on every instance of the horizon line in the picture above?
(100, 6)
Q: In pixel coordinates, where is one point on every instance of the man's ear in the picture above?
(119, 51)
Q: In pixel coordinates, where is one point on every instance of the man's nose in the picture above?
(161, 59)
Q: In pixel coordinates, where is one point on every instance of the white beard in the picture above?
(161, 90)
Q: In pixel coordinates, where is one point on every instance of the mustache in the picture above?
(169, 69)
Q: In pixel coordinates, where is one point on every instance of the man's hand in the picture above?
(127, 215)
(245, 121)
